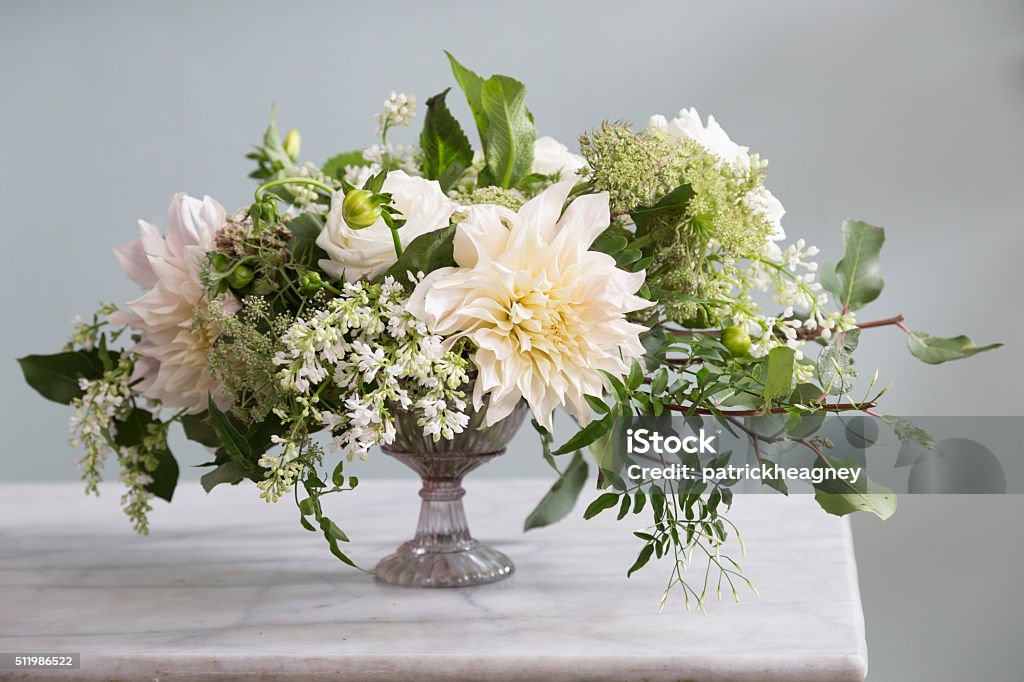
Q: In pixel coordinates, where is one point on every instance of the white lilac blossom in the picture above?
(369, 252)
(173, 341)
(399, 110)
(363, 354)
(546, 314)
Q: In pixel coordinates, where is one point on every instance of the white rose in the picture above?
(551, 157)
(687, 125)
(368, 253)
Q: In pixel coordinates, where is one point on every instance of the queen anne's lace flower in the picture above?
(546, 314)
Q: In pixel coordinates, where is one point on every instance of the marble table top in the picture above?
(227, 587)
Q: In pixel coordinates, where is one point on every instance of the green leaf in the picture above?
(604, 501)
(472, 85)
(636, 376)
(130, 432)
(233, 442)
(333, 534)
(585, 436)
(305, 229)
(425, 253)
(675, 202)
(908, 432)
(641, 559)
(835, 363)
(336, 165)
(597, 404)
(198, 429)
(445, 147)
(935, 350)
(508, 144)
(228, 472)
(877, 499)
(846, 497)
(562, 496)
(857, 279)
(779, 372)
(55, 377)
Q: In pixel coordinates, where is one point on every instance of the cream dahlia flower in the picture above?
(544, 312)
(368, 253)
(173, 347)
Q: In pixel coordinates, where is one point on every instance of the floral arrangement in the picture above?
(650, 274)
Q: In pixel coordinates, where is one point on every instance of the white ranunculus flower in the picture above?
(367, 253)
(551, 157)
(172, 350)
(545, 313)
(688, 125)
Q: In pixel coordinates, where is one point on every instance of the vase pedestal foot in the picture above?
(412, 566)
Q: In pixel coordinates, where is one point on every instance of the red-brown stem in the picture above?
(832, 407)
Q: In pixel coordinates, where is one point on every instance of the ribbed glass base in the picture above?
(443, 554)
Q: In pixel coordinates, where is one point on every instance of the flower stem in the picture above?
(397, 241)
(292, 181)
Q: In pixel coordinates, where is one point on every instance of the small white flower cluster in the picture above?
(789, 275)
(395, 156)
(282, 470)
(95, 412)
(399, 110)
(365, 354)
(135, 477)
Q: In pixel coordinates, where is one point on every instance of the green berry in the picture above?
(240, 277)
(737, 340)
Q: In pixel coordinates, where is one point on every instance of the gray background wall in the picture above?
(907, 115)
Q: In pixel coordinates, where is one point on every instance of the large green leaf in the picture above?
(778, 380)
(197, 428)
(228, 472)
(562, 496)
(446, 152)
(508, 143)
(130, 432)
(935, 350)
(55, 377)
(857, 279)
(231, 439)
(472, 85)
(336, 166)
(835, 363)
(426, 253)
(305, 229)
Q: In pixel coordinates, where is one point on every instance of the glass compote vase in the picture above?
(443, 554)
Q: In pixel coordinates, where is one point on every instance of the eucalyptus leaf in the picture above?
(857, 279)
(779, 372)
(585, 436)
(562, 496)
(835, 363)
(935, 350)
(908, 432)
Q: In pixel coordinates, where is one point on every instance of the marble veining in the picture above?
(229, 588)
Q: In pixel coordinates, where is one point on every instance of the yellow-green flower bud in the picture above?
(240, 277)
(360, 209)
(219, 261)
(292, 144)
(312, 283)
